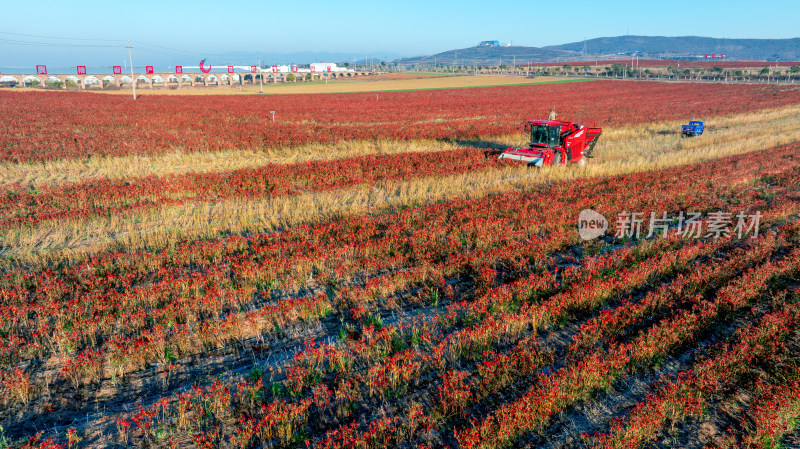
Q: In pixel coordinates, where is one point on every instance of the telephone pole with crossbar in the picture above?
(133, 78)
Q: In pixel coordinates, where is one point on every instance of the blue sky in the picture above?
(182, 32)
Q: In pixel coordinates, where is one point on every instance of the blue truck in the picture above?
(694, 128)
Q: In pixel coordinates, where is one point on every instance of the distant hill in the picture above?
(649, 47)
(668, 47)
(486, 56)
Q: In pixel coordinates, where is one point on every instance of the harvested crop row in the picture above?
(21, 206)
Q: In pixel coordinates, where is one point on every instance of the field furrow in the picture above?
(581, 378)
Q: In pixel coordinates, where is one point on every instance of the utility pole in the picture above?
(261, 76)
(130, 56)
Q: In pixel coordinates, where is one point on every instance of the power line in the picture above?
(152, 47)
(141, 46)
(46, 44)
(64, 38)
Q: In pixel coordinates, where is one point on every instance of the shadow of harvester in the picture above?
(481, 144)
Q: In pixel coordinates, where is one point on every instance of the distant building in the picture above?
(323, 67)
(489, 44)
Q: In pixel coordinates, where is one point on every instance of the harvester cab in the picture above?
(555, 142)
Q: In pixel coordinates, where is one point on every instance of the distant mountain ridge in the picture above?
(649, 47)
(662, 46)
(486, 55)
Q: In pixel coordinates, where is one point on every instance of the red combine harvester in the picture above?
(555, 142)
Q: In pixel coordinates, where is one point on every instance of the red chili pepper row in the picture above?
(579, 379)
(760, 344)
(140, 307)
(21, 206)
(39, 126)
